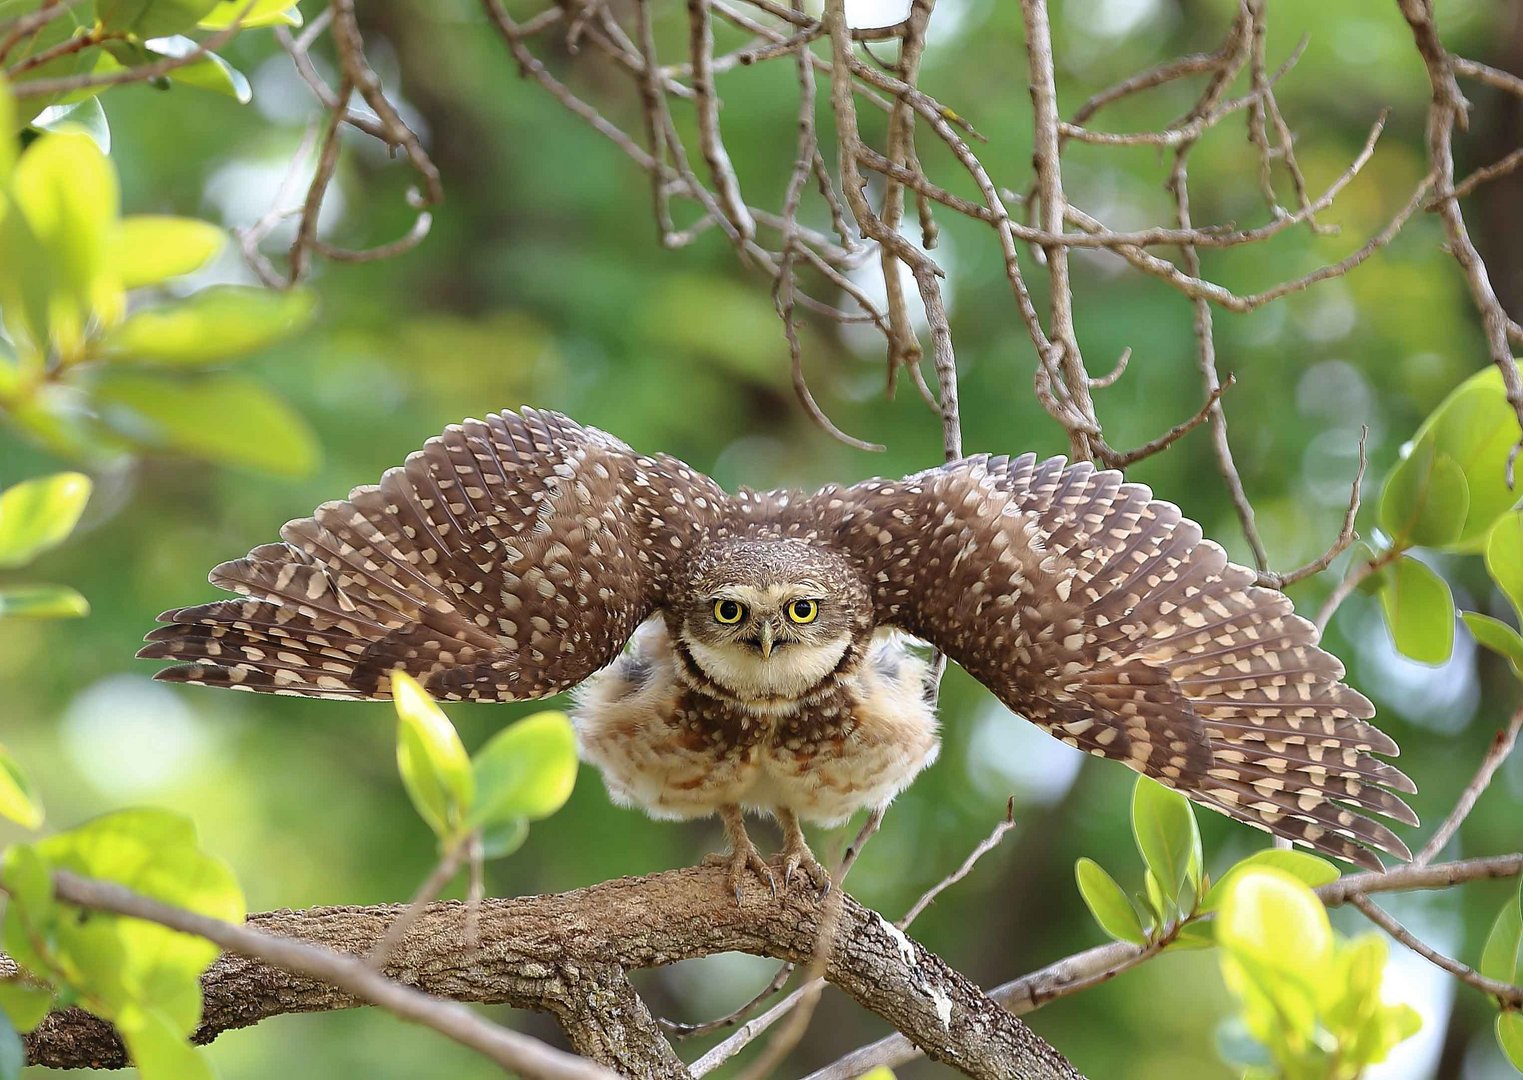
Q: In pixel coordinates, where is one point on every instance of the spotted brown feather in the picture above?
(513, 557)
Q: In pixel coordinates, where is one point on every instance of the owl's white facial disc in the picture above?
(790, 672)
(797, 657)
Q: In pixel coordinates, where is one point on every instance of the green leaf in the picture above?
(29, 880)
(503, 837)
(213, 325)
(66, 190)
(36, 515)
(211, 72)
(117, 961)
(1272, 919)
(1426, 498)
(1497, 636)
(263, 13)
(158, 1049)
(226, 418)
(7, 137)
(1277, 952)
(153, 18)
(1477, 428)
(882, 1072)
(527, 770)
(1194, 936)
(1510, 1037)
(147, 249)
(435, 768)
(1107, 903)
(1166, 834)
(18, 801)
(87, 116)
(1504, 557)
(1419, 611)
(42, 602)
(1502, 958)
(12, 1053)
(1300, 865)
(25, 1005)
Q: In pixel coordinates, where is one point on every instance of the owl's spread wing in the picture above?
(1102, 615)
(508, 559)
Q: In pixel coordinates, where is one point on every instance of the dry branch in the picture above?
(552, 952)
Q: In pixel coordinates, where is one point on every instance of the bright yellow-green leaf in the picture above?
(1497, 636)
(158, 1049)
(1502, 958)
(42, 602)
(213, 325)
(25, 1005)
(435, 767)
(1426, 498)
(39, 514)
(882, 1072)
(66, 190)
(18, 801)
(1107, 903)
(1273, 920)
(226, 418)
(263, 13)
(7, 137)
(1476, 428)
(1301, 865)
(1510, 1037)
(148, 249)
(120, 962)
(1419, 611)
(1504, 557)
(1166, 835)
(526, 771)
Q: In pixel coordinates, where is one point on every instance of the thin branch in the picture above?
(1115, 459)
(514, 1051)
(1086, 968)
(1272, 579)
(1501, 746)
(1507, 995)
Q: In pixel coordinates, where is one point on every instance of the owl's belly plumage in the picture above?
(676, 753)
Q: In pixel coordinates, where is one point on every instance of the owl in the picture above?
(754, 651)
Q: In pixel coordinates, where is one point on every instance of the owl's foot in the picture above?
(742, 855)
(796, 854)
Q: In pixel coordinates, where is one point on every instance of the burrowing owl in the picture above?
(517, 557)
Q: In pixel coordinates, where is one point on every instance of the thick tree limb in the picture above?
(566, 954)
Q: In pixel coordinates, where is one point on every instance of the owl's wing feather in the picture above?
(1102, 615)
(509, 559)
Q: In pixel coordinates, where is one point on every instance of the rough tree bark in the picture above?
(567, 954)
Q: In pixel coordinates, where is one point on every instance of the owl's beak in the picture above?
(765, 640)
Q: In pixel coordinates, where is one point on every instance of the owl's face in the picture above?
(770, 620)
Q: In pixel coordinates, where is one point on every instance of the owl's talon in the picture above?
(742, 855)
(797, 856)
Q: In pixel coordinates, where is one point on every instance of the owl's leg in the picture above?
(742, 855)
(796, 853)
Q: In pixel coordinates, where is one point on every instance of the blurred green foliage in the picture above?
(541, 283)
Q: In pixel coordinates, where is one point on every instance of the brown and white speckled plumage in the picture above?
(515, 557)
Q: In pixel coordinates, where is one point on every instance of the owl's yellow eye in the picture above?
(803, 611)
(729, 612)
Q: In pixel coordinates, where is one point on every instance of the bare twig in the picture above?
(1497, 753)
(1274, 579)
(1507, 995)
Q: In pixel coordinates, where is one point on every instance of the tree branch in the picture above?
(557, 953)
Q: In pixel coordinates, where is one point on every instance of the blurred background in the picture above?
(542, 283)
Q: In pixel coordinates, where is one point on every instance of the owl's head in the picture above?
(771, 618)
